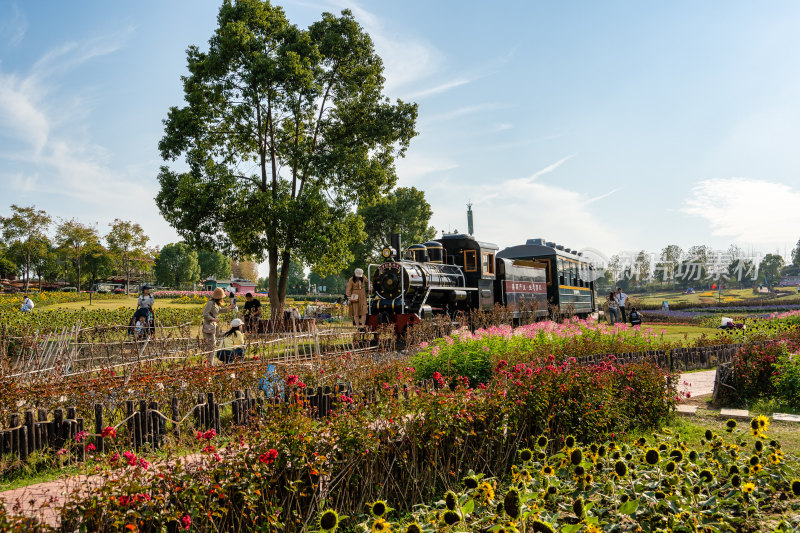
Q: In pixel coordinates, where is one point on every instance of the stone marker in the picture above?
(783, 417)
(735, 413)
(687, 409)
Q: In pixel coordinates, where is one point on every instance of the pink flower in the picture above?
(109, 432)
(186, 520)
(62, 451)
(144, 464)
(90, 447)
(80, 436)
(114, 458)
(210, 434)
(292, 380)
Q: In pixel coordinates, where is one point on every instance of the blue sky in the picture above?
(613, 125)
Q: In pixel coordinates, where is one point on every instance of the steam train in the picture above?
(457, 273)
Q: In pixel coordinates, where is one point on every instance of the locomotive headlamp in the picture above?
(387, 252)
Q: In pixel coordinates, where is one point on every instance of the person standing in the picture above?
(356, 294)
(232, 290)
(613, 307)
(210, 322)
(622, 301)
(252, 313)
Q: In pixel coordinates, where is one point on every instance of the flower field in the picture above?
(735, 482)
(450, 437)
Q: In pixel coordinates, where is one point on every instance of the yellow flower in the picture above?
(591, 529)
(774, 459)
(485, 492)
(747, 488)
(380, 526)
(548, 471)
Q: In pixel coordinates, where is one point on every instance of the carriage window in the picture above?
(488, 263)
(470, 261)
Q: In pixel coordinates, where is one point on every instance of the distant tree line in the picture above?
(699, 266)
(41, 252)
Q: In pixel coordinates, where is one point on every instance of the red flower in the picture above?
(90, 447)
(109, 432)
(186, 520)
(268, 457)
(292, 380)
(210, 434)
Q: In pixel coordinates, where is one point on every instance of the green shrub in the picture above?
(786, 379)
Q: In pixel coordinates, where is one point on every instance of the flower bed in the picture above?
(405, 447)
(659, 484)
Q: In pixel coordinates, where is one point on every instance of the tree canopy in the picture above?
(404, 211)
(127, 241)
(177, 265)
(74, 238)
(26, 228)
(213, 264)
(284, 132)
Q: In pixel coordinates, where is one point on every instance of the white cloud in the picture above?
(462, 111)
(417, 165)
(510, 211)
(748, 210)
(14, 25)
(444, 87)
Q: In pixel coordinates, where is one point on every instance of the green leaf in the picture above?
(468, 507)
(629, 507)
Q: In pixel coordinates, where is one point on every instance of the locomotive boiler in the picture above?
(455, 273)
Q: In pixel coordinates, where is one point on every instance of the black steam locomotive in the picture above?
(457, 273)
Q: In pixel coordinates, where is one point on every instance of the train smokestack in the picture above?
(395, 241)
(470, 229)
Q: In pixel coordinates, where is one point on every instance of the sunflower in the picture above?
(576, 456)
(548, 470)
(470, 482)
(379, 508)
(541, 442)
(754, 460)
(730, 425)
(328, 520)
(588, 479)
(759, 446)
(677, 455)
(451, 517)
(756, 469)
(706, 476)
(569, 442)
(486, 492)
(526, 455)
(511, 503)
(542, 527)
(670, 467)
(380, 526)
(795, 486)
(591, 529)
(748, 488)
(651, 456)
(450, 500)
(413, 528)
(620, 468)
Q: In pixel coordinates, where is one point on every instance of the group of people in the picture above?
(615, 306)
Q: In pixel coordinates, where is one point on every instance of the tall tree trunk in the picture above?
(285, 257)
(274, 297)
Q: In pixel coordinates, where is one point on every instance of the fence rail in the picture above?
(145, 423)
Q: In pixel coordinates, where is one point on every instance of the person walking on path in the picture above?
(356, 294)
(612, 308)
(622, 302)
(210, 322)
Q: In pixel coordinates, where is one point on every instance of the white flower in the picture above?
(160, 386)
(233, 376)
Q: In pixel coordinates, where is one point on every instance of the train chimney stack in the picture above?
(469, 218)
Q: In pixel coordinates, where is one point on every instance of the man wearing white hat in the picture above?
(356, 293)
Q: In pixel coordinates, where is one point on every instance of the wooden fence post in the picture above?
(176, 429)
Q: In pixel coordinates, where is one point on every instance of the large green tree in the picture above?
(177, 265)
(25, 228)
(213, 264)
(770, 268)
(127, 242)
(796, 254)
(284, 131)
(74, 238)
(404, 211)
